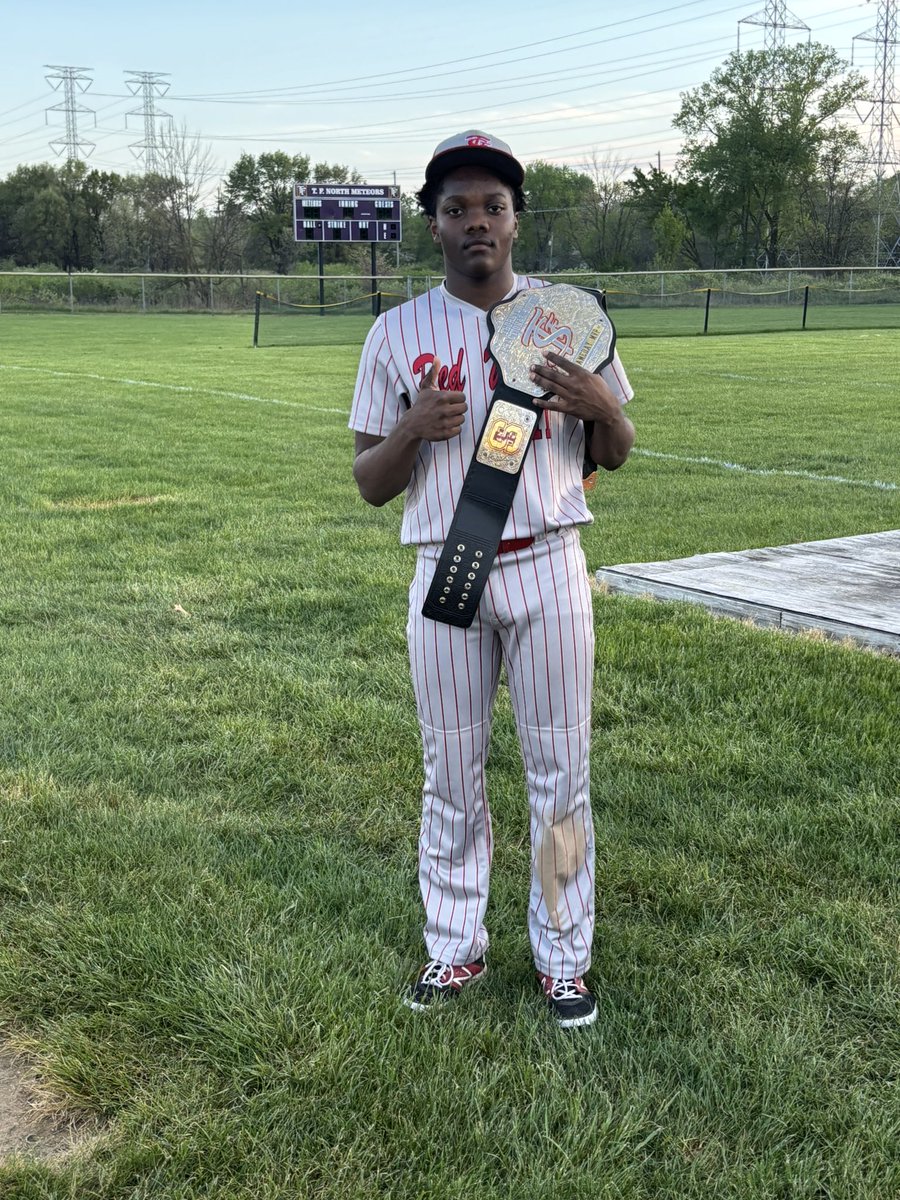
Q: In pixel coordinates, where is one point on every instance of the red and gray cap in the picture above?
(474, 148)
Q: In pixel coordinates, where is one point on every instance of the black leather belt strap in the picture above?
(559, 317)
(484, 504)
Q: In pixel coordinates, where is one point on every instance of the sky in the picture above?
(377, 84)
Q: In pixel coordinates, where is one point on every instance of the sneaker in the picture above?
(442, 981)
(572, 1003)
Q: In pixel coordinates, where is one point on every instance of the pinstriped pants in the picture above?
(536, 616)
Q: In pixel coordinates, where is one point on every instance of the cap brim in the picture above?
(503, 165)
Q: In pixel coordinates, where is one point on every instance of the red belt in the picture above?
(514, 544)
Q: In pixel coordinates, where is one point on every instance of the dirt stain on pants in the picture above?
(560, 856)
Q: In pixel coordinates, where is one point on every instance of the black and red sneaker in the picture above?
(571, 1001)
(442, 981)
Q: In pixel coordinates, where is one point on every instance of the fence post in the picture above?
(706, 313)
(256, 320)
(320, 246)
(850, 288)
(805, 304)
(71, 293)
(143, 294)
(211, 301)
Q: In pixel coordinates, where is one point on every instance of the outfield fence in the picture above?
(779, 299)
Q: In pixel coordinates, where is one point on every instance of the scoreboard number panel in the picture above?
(346, 212)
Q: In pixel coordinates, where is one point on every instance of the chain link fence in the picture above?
(647, 302)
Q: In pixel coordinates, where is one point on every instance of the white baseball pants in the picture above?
(536, 616)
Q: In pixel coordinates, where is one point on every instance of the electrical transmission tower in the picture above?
(882, 152)
(776, 17)
(151, 87)
(70, 78)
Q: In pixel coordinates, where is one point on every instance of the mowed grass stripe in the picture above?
(742, 467)
(209, 767)
(171, 387)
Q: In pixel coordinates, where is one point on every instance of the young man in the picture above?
(423, 391)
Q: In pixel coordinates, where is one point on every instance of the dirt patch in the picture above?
(83, 504)
(29, 1126)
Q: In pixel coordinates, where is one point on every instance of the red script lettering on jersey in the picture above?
(450, 379)
(494, 376)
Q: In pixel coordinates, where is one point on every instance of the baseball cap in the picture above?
(475, 148)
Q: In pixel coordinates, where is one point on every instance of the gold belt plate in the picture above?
(506, 436)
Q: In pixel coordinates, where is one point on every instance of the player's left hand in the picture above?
(575, 391)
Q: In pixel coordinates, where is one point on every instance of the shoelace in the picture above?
(437, 973)
(565, 989)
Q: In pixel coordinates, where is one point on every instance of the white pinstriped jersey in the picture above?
(398, 353)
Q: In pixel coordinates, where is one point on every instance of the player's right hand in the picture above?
(436, 416)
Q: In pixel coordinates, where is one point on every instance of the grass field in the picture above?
(209, 770)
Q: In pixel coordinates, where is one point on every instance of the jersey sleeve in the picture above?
(378, 401)
(614, 375)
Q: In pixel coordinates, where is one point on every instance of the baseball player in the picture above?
(423, 391)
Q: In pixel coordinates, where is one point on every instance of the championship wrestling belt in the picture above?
(567, 320)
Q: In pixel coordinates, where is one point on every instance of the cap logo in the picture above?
(477, 140)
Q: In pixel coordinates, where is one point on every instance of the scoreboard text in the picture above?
(346, 212)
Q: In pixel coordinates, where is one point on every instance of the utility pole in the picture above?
(151, 87)
(70, 78)
(881, 154)
(775, 18)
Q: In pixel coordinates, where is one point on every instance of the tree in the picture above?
(605, 225)
(834, 227)
(222, 234)
(262, 189)
(176, 191)
(55, 215)
(758, 131)
(669, 235)
(554, 194)
(706, 218)
(419, 247)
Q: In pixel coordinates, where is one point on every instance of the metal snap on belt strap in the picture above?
(567, 320)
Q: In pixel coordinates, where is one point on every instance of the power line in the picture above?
(427, 70)
(25, 104)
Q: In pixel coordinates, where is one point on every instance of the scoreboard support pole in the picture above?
(375, 305)
(321, 248)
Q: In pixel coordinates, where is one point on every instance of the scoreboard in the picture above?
(346, 212)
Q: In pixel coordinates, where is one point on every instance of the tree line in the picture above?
(769, 174)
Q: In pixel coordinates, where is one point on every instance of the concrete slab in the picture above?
(845, 587)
